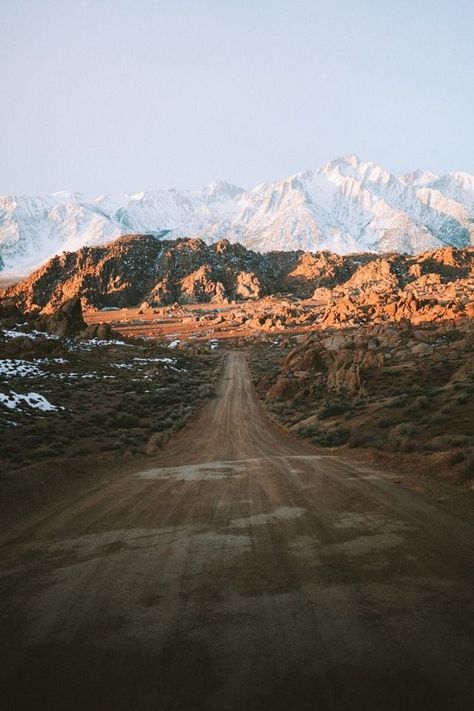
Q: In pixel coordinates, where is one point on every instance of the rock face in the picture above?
(141, 269)
(434, 286)
(338, 365)
(341, 291)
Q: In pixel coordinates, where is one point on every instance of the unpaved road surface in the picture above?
(239, 571)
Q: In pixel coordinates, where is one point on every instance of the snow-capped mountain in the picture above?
(346, 206)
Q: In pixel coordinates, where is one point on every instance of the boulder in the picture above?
(66, 321)
(247, 286)
(284, 389)
(102, 331)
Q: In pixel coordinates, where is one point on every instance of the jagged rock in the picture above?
(201, 286)
(247, 286)
(378, 276)
(339, 312)
(336, 341)
(346, 378)
(66, 321)
(322, 295)
(357, 289)
(284, 389)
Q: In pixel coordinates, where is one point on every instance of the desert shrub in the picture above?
(447, 441)
(126, 419)
(84, 450)
(403, 428)
(309, 431)
(438, 418)
(400, 438)
(451, 336)
(360, 438)
(418, 404)
(400, 444)
(401, 401)
(333, 409)
(332, 438)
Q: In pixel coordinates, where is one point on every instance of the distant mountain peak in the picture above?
(347, 205)
(221, 187)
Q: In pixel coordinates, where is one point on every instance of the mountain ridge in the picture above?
(345, 206)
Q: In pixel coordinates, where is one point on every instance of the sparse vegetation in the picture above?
(113, 404)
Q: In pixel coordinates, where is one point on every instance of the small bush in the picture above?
(400, 438)
(333, 409)
(400, 402)
(447, 441)
(126, 419)
(419, 404)
(333, 438)
(403, 428)
(362, 439)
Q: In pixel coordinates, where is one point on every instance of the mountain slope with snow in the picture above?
(346, 206)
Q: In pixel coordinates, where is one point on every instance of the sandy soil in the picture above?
(240, 570)
(182, 323)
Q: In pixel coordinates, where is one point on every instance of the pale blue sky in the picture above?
(120, 95)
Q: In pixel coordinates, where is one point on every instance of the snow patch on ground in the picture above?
(7, 333)
(34, 401)
(18, 368)
(90, 344)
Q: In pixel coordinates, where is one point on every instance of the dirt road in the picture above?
(242, 571)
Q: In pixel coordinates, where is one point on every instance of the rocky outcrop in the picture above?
(142, 269)
(247, 286)
(337, 365)
(342, 291)
(66, 321)
(201, 285)
(359, 362)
